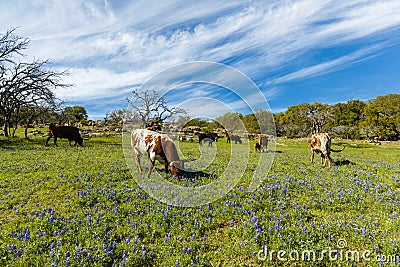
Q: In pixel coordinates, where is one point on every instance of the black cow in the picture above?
(209, 137)
(69, 132)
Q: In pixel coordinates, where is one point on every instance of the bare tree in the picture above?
(25, 88)
(152, 109)
(11, 44)
(319, 115)
(26, 85)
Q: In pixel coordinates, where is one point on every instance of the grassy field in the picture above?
(80, 206)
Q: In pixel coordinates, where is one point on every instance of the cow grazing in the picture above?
(321, 143)
(263, 141)
(158, 147)
(69, 132)
(209, 137)
(235, 138)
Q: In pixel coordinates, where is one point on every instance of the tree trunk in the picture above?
(14, 130)
(5, 129)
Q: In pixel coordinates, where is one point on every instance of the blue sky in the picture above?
(294, 51)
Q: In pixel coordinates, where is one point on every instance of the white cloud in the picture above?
(109, 45)
(98, 83)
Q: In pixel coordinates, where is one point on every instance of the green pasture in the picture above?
(80, 206)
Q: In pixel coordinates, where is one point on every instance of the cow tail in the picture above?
(338, 150)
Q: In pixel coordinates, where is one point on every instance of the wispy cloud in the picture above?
(329, 66)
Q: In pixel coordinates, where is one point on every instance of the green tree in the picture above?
(231, 121)
(251, 123)
(294, 122)
(348, 118)
(197, 122)
(74, 114)
(265, 120)
(116, 116)
(319, 115)
(383, 117)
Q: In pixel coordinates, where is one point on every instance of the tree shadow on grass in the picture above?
(14, 143)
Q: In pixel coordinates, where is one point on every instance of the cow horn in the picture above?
(338, 150)
(176, 163)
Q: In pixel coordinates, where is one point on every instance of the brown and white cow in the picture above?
(321, 143)
(263, 142)
(158, 147)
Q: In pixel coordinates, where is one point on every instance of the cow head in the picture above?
(176, 167)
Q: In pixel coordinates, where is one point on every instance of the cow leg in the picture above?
(138, 163)
(312, 155)
(325, 159)
(151, 165)
(329, 160)
(166, 167)
(55, 140)
(47, 140)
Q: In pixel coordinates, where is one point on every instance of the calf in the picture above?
(69, 132)
(321, 143)
(210, 137)
(263, 142)
(158, 147)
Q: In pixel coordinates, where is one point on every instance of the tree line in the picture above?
(378, 117)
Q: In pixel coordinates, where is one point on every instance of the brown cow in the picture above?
(263, 142)
(257, 147)
(321, 143)
(69, 132)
